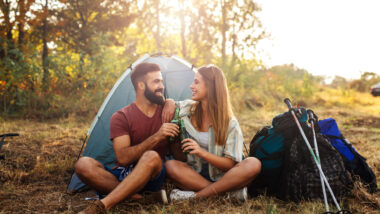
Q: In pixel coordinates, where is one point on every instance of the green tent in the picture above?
(177, 75)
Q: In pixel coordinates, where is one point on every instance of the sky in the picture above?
(325, 37)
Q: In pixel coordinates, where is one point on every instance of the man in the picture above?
(139, 141)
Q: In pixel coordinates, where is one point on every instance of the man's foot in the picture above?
(240, 194)
(163, 196)
(177, 195)
(95, 208)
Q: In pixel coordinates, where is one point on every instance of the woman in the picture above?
(215, 150)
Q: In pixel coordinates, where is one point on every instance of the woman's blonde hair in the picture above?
(219, 106)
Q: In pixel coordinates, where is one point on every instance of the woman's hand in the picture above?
(168, 110)
(222, 163)
(192, 147)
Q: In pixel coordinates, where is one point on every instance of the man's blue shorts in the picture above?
(153, 185)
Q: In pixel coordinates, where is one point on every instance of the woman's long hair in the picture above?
(219, 106)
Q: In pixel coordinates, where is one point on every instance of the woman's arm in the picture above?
(168, 111)
(222, 163)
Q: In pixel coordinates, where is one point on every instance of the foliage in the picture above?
(366, 80)
(268, 87)
(60, 57)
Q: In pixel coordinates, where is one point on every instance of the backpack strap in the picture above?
(335, 137)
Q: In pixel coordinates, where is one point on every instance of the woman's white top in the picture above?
(203, 140)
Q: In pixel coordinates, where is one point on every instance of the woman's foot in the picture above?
(177, 195)
(240, 194)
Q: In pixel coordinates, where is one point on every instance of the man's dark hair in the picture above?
(140, 70)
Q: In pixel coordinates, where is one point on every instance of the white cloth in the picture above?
(203, 140)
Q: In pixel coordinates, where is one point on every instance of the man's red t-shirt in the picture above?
(131, 121)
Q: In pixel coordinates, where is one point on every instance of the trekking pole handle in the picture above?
(311, 115)
(287, 102)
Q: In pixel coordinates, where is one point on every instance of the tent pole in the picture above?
(80, 152)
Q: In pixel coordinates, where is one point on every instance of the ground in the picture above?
(38, 164)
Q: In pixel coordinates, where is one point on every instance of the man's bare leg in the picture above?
(237, 177)
(185, 177)
(92, 173)
(148, 167)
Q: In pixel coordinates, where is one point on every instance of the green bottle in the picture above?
(175, 121)
(183, 133)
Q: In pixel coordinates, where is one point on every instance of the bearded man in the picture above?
(139, 141)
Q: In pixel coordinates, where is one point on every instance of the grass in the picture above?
(39, 163)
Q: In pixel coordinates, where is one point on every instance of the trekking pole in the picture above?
(312, 120)
(287, 102)
(3, 136)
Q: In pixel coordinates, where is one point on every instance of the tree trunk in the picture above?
(158, 41)
(234, 42)
(224, 31)
(45, 52)
(21, 24)
(233, 48)
(5, 9)
(182, 15)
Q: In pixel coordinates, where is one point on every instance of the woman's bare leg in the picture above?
(237, 177)
(185, 177)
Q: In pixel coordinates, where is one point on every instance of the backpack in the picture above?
(268, 146)
(300, 178)
(353, 161)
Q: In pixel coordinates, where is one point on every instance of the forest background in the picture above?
(60, 58)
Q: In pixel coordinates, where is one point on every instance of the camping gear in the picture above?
(353, 161)
(312, 122)
(3, 136)
(302, 177)
(268, 146)
(177, 76)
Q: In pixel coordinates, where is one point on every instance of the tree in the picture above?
(81, 20)
(240, 29)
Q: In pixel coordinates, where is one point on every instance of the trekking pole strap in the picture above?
(246, 150)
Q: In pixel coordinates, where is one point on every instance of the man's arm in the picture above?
(127, 154)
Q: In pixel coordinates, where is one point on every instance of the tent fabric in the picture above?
(177, 76)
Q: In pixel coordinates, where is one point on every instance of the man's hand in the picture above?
(167, 129)
(168, 111)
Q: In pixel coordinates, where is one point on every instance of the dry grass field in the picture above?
(38, 164)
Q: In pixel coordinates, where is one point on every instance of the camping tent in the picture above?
(177, 76)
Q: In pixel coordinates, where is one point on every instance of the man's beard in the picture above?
(152, 97)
